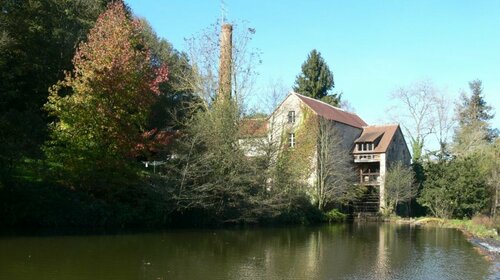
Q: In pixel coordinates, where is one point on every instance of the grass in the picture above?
(478, 226)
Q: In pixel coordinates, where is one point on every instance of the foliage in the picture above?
(488, 159)
(454, 188)
(216, 179)
(316, 79)
(473, 114)
(335, 216)
(478, 226)
(102, 106)
(47, 205)
(171, 108)
(37, 41)
(399, 186)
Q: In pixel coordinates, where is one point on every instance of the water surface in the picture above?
(347, 251)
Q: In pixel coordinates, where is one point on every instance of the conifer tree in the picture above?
(474, 130)
(316, 79)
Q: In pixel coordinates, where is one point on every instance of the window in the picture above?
(291, 117)
(291, 140)
(366, 146)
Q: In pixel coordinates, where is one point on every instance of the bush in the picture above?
(483, 220)
(335, 216)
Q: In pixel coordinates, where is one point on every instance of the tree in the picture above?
(38, 39)
(444, 122)
(316, 79)
(488, 159)
(335, 176)
(203, 53)
(474, 130)
(101, 108)
(399, 186)
(170, 109)
(454, 188)
(416, 114)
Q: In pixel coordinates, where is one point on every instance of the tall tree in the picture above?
(443, 122)
(473, 114)
(38, 38)
(169, 110)
(316, 79)
(335, 176)
(416, 113)
(102, 106)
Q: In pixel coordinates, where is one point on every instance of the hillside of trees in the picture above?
(104, 124)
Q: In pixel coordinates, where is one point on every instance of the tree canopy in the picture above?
(38, 39)
(316, 79)
(101, 108)
(473, 114)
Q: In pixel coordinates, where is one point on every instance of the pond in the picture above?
(345, 251)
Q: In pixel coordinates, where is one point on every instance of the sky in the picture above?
(371, 46)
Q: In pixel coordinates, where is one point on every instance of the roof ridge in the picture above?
(263, 118)
(335, 107)
(381, 125)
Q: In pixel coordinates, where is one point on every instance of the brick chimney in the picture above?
(225, 63)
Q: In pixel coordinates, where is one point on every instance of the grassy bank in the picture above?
(479, 227)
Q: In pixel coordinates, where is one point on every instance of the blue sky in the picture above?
(371, 46)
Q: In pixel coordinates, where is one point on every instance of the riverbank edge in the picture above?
(486, 240)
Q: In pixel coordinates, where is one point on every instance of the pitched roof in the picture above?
(369, 136)
(253, 128)
(373, 132)
(330, 112)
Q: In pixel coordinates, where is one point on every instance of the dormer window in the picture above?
(291, 116)
(366, 147)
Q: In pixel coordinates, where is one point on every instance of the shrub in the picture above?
(335, 216)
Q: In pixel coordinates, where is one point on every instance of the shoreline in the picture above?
(486, 241)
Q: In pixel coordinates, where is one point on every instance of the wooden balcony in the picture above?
(370, 179)
(367, 158)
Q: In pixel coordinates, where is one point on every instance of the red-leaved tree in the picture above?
(101, 107)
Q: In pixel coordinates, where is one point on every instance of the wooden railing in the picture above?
(366, 157)
(372, 178)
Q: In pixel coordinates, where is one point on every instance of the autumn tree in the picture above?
(171, 107)
(316, 79)
(101, 107)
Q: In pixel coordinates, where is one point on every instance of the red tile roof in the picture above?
(253, 128)
(330, 112)
(387, 132)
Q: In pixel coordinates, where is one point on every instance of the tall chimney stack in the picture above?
(225, 63)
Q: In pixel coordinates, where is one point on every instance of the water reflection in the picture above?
(352, 251)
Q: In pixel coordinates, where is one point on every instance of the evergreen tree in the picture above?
(474, 130)
(316, 79)
(455, 188)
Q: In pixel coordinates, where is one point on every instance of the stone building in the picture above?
(373, 147)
